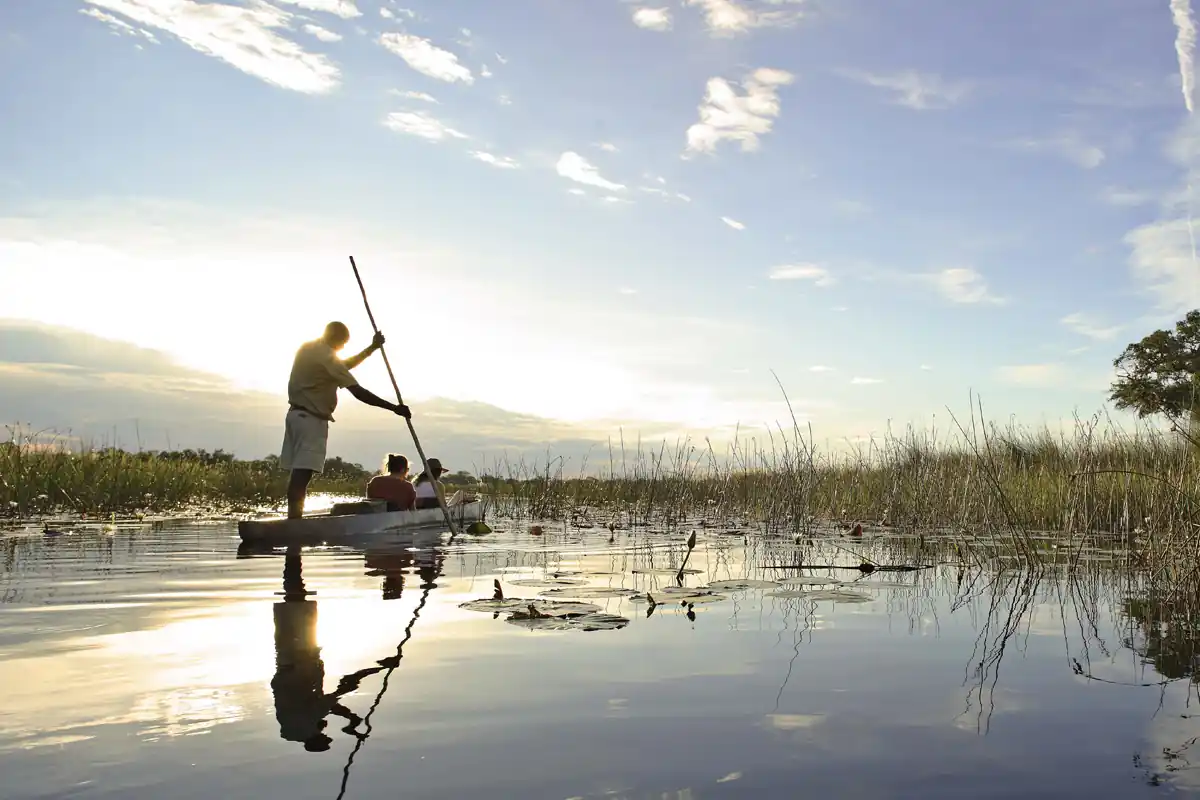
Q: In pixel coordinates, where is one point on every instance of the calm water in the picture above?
(153, 661)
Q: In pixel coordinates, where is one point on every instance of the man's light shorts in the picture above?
(304, 440)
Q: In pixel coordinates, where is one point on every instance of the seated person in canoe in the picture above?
(392, 485)
(430, 489)
(317, 374)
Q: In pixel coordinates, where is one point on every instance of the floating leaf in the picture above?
(808, 580)
(586, 622)
(557, 608)
(740, 585)
(591, 592)
(493, 604)
(816, 595)
(671, 572)
(547, 582)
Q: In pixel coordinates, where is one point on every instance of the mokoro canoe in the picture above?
(370, 518)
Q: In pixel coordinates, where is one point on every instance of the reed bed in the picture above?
(42, 474)
(978, 478)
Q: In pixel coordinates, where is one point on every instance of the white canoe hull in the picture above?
(330, 528)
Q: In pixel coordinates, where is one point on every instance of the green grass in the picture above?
(40, 475)
(979, 478)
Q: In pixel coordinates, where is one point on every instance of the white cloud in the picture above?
(607, 147)
(1043, 376)
(865, 381)
(803, 272)
(422, 96)
(575, 167)
(119, 26)
(627, 291)
(926, 368)
(339, 8)
(501, 59)
(1086, 326)
(502, 162)
(728, 17)
(1124, 198)
(427, 58)
(485, 72)
(1185, 49)
(724, 114)
(916, 90)
(242, 37)
(611, 200)
(421, 124)
(1068, 146)
(386, 13)
(504, 100)
(577, 192)
(324, 34)
(820, 368)
(733, 223)
(653, 19)
(962, 285)
(1163, 261)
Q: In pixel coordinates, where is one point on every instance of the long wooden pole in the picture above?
(424, 463)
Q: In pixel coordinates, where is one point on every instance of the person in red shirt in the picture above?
(393, 485)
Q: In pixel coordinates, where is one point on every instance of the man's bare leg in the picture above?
(297, 489)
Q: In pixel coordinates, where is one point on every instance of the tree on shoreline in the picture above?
(1161, 375)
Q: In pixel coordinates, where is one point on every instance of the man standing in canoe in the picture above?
(317, 374)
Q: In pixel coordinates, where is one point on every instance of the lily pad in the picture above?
(555, 608)
(586, 622)
(664, 571)
(808, 580)
(547, 582)
(816, 595)
(740, 585)
(591, 592)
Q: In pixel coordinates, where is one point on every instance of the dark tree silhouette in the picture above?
(1161, 375)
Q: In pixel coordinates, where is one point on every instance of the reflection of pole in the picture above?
(391, 664)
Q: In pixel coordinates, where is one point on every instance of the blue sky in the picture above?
(608, 212)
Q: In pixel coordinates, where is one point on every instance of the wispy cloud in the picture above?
(917, 90)
(858, 381)
(1163, 263)
(1085, 325)
(729, 17)
(502, 162)
(420, 123)
(724, 114)
(485, 71)
(427, 58)
(244, 38)
(653, 19)
(324, 34)
(1185, 49)
(627, 290)
(346, 9)
(118, 26)
(1069, 146)
(926, 368)
(1124, 198)
(733, 223)
(422, 96)
(851, 208)
(1042, 376)
(607, 147)
(962, 285)
(820, 368)
(575, 167)
(803, 272)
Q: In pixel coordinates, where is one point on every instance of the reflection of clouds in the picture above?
(793, 722)
(183, 712)
(1170, 749)
(733, 776)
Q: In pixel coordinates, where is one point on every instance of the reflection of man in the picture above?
(391, 566)
(301, 704)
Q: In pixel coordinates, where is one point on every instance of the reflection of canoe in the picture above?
(369, 519)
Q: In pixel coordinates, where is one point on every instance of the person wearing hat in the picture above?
(430, 489)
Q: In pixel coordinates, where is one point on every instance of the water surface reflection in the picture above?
(160, 660)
